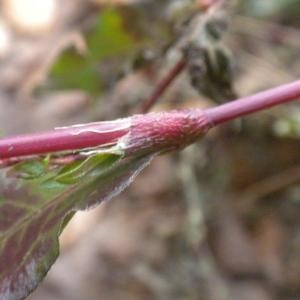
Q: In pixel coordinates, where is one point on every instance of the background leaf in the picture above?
(108, 39)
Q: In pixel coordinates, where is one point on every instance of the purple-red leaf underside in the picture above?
(31, 221)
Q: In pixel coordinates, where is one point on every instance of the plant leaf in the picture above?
(75, 172)
(108, 39)
(32, 216)
(31, 169)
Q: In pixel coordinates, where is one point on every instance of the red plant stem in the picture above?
(260, 101)
(163, 85)
(144, 133)
(64, 139)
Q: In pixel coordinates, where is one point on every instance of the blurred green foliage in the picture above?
(267, 8)
(31, 169)
(108, 39)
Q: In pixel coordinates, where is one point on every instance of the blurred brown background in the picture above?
(221, 219)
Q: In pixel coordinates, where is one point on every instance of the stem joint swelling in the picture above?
(166, 131)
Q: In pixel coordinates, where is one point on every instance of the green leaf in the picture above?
(75, 172)
(32, 216)
(108, 39)
(30, 169)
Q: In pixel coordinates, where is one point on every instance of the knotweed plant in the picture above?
(49, 176)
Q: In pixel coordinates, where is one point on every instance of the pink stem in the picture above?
(154, 131)
(247, 105)
(64, 139)
(163, 85)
